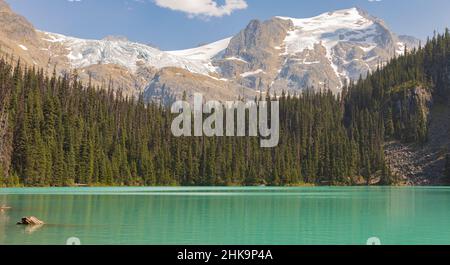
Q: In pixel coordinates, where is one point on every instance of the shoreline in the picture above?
(227, 187)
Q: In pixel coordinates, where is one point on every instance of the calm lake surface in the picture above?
(325, 215)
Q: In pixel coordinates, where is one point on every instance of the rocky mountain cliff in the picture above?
(324, 51)
(282, 53)
(421, 163)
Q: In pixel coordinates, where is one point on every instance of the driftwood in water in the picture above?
(31, 220)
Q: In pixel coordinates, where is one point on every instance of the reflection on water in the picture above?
(228, 215)
(30, 229)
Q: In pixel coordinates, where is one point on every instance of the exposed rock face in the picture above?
(266, 57)
(326, 51)
(335, 48)
(422, 164)
(16, 33)
(14, 26)
(308, 68)
(171, 83)
(253, 56)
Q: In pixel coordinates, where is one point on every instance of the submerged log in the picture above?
(31, 220)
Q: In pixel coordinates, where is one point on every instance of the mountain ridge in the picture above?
(266, 57)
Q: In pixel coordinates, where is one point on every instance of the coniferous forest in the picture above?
(56, 131)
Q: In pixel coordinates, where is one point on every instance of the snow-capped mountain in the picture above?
(343, 34)
(328, 50)
(119, 51)
(282, 53)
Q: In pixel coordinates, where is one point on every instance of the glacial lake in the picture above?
(203, 215)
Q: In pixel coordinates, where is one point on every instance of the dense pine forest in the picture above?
(56, 131)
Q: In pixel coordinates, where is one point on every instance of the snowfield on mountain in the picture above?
(280, 54)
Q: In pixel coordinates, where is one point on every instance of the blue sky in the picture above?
(177, 24)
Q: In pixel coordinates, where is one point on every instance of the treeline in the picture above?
(57, 131)
(64, 133)
(397, 94)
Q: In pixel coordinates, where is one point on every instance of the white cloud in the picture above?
(208, 8)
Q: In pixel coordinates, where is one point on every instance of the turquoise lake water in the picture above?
(324, 215)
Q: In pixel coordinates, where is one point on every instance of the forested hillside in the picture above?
(56, 131)
(63, 133)
(411, 95)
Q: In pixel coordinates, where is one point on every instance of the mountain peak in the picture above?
(115, 38)
(15, 26)
(354, 11)
(355, 14)
(347, 10)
